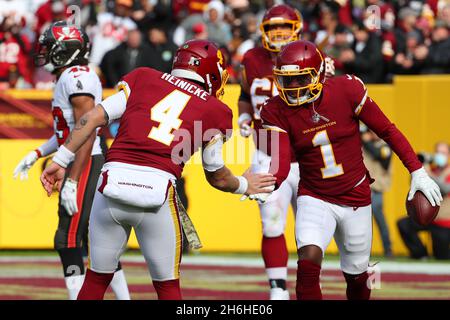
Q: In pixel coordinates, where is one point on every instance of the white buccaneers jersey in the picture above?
(76, 80)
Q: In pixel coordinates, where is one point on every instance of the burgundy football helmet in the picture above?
(63, 45)
(280, 25)
(299, 73)
(201, 61)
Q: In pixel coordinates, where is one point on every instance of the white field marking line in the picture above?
(434, 268)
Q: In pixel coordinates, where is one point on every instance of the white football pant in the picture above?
(158, 233)
(317, 221)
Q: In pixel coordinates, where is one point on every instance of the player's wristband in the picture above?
(244, 117)
(243, 185)
(63, 157)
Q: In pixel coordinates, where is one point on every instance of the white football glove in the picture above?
(259, 197)
(25, 164)
(244, 125)
(420, 180)
(330, 69)
(245, 130)
(69, 196)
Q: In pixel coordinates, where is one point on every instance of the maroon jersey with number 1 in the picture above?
(328, 148)
(166, 120)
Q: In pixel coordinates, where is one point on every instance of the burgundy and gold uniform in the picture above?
(164, 119)
(280, 25)
(257, 67)
(328, 147)
(164, 126)
(319, 119)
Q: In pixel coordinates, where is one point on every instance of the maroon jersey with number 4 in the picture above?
(328, 147)
(166, 120)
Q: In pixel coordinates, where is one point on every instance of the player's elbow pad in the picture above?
(212, 157)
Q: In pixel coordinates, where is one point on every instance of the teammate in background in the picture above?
(319, 119)
(64, 50)
(164, 119)
(281, 25)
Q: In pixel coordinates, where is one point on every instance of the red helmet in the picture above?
(299, 73)
(280, 25)
(201, 61)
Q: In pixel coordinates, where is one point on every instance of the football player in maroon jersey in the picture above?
(281, 24)
(319, 120)
(164, 119)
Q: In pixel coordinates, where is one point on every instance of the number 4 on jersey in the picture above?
(167, 112)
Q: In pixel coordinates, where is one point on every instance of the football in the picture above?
(421, 210)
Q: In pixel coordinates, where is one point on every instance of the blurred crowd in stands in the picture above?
(373, 39)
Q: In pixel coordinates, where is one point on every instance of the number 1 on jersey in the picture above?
(166, 112)
(331, 168)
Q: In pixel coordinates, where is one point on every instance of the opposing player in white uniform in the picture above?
(64, 50)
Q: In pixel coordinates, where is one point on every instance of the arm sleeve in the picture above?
(369, 113)
(49, 147)
(115, 105)
(280, 163)
(377, 121)
(280, 145)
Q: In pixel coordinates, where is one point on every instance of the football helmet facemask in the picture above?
(280, 25)
(299, 73)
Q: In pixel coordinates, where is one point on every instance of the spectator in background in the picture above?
(15, 48)
(129, 55)
(232, 73)
(383, 28)
(218, 30)
(435, 59)
(366, 59)
(342, 42)
(444, 14)
(161, 49)
(329, 21)
(184, 30)
(200, 32)
(407, 22)
(248, 34)
(377, 159)
(185, 8)
(439, 170)
(405, 62)
(50, 11)
(152, 12)
(111, 30)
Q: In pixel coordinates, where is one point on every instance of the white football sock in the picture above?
(277, 273)
(119, 286)
(73, 285)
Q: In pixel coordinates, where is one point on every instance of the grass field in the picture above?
(38, 275)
